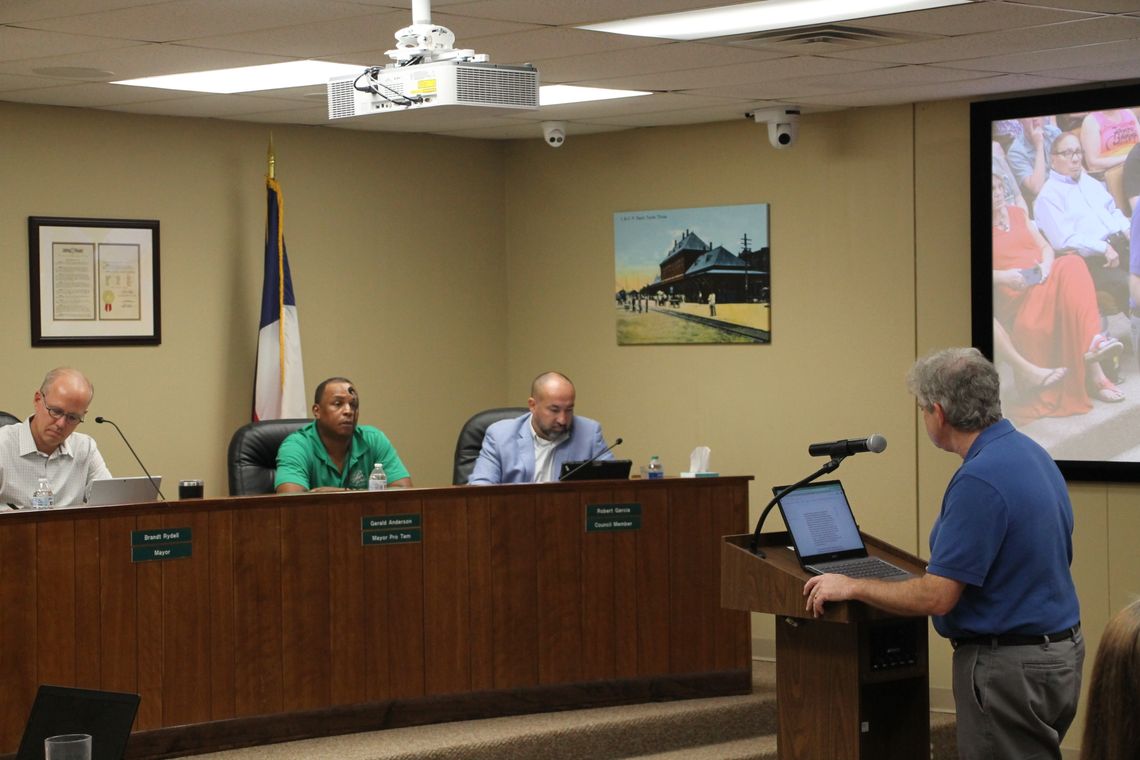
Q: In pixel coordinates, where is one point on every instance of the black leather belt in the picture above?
(1017, 639)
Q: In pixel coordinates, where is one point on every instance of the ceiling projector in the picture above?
(395, 88)
(427, 71)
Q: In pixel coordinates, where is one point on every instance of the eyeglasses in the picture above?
(56, 413)
(1070, 154)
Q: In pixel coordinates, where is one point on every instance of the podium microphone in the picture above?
(874, 443)
(611, 447)
(101, 420)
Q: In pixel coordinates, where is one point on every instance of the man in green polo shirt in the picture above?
(333, 453)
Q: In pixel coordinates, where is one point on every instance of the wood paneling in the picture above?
(283, 623)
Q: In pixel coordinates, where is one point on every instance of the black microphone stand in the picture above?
(101, 420)
(831, 466)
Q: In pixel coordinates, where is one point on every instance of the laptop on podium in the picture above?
(825, 535)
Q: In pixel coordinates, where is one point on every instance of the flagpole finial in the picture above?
(272, 173)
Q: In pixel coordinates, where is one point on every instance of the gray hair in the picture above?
(963, 382)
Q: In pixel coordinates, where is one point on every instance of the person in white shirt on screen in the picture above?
(46, 445)
(1076, 213)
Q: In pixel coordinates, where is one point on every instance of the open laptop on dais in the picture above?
(825, 536)
(106, 715)
(123, 491)
(598, 469)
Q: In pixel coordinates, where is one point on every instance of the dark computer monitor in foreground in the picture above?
(106, 715)
(599, 469)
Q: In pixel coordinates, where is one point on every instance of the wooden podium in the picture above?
(851, 684)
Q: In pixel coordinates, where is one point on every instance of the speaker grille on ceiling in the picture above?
(830, 36)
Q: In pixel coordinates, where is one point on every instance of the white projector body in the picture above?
(428, 85)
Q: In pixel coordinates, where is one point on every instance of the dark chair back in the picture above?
(471, 439)
(8, 419)
(253, 455)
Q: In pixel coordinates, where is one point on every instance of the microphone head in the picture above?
(876, 443)
(617, 442)
(100, 420)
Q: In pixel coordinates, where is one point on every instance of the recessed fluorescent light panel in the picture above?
(759, 17)
(273, 76)
(559, 94)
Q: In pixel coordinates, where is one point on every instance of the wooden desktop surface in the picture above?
(282, 622)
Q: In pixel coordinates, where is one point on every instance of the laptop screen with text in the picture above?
(820, 522)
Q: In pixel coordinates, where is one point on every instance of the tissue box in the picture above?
(700, 474)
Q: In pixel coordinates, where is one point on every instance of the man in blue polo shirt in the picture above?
(998, 582)
(333, 452)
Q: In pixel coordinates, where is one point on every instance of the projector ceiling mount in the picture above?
(427, 71)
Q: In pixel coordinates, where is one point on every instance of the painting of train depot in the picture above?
(692, 275)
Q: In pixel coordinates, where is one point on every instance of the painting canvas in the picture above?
(693, 275)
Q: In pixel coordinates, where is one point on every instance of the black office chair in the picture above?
(471, 439)
(8, 419)
(253, 455)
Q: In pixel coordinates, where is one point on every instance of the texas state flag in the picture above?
(279, 392)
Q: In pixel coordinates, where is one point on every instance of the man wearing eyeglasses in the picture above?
(46, 445)
(1076, 213)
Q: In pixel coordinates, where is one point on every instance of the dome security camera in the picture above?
(554, 132)
(783, 133)
(783, 125)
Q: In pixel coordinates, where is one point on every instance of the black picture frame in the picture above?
(1073, 463)
(94, 282)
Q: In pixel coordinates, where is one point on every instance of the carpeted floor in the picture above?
(721, 728)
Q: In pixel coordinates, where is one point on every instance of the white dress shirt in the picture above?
(544, 455)
(69, 469)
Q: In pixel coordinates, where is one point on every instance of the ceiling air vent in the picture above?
(820, 39)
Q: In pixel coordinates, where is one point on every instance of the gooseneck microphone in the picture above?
(101, 420)
(611, 447)
(837, 451)
(874, 443)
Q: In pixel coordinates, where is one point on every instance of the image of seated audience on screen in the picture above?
(1065, 256)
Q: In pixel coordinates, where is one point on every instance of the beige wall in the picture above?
(396, 250)
(870, 267)
(443, 274)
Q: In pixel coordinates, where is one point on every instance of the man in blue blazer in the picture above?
(532, 448)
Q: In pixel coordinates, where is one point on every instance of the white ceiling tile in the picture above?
(86, 95)
(16, 44)
(973, 89)
(1040, 43)
(1086, 32)
(564, 12)
(1096, 6)
(186, 19)
(740, 74)
(16, 11)
(219, 106)
(665, 57)
(144, 60)
(320, 39)
(971, 18)
(550, 42)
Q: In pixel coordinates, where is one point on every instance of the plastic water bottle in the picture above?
(42, 497)
(378, 480)
(655, 469)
